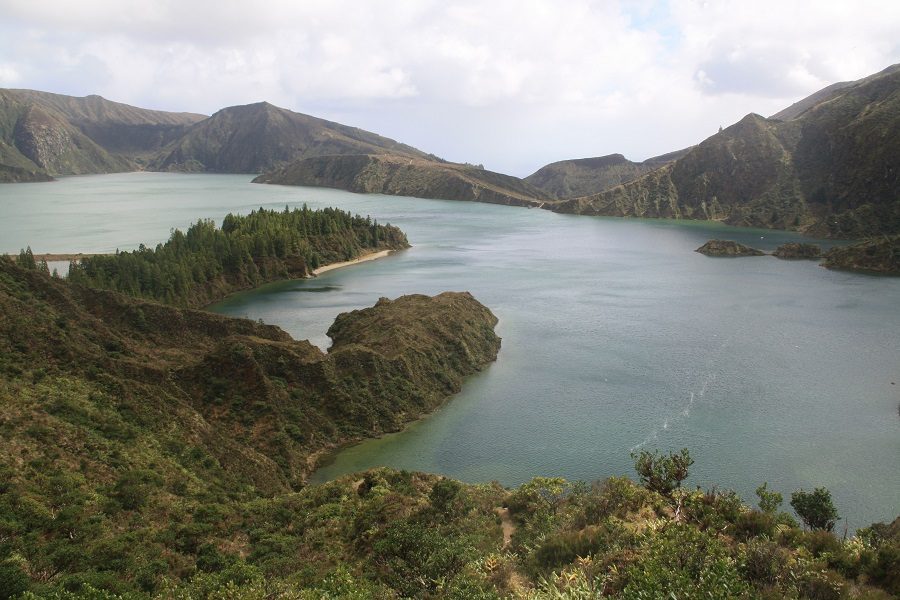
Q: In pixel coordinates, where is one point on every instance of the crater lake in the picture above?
(617, 336)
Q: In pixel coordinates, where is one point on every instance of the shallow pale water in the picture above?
(616, 335)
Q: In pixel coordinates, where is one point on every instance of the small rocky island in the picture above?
(798, 250)
(877, 255)
(727, 248)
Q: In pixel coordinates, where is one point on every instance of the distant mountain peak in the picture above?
(252, 138)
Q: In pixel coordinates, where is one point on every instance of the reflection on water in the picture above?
(318, 289)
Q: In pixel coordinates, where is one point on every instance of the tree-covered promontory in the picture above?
(129, 428)
(205, 263)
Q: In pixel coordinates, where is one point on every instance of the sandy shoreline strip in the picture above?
(319, 271)
(59, 257)
(347, 263)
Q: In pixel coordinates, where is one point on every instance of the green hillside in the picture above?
(118, 128)
(36, 143)
(132, 431)
(148, 451)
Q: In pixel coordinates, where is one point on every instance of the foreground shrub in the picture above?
(662, 474)
(414, 559)
(684, 562)
(815, 508)
(752, 524)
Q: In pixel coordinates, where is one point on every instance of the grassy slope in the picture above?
(875, 255)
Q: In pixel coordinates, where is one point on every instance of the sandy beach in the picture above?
(347, 263)
(60, 261)
(50, 257)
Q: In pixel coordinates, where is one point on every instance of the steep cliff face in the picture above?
(831, 170)
(256, 137)
(58, 148)
(406, 176)
(742, 176)
(848, 158)
(43, 134)
(37, 143)
(118, 128)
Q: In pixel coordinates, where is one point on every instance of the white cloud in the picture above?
(779, 49)
(512, 84)
(9, 77)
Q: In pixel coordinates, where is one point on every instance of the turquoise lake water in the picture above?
(617, 336)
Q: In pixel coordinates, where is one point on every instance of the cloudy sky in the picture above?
(512, 84)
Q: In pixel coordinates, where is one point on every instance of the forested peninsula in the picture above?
(204, 264)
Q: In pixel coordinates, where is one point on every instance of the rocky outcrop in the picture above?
(878, 255)
(798, 250)
(727, 248)
(452, 326)
(406, 176)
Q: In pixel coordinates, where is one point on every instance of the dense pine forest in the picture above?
(205, 263)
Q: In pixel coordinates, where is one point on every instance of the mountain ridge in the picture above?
(255, 137)
(406, 176)
(830, 171)
(826, 166)
(81, 135)
(42, 142)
